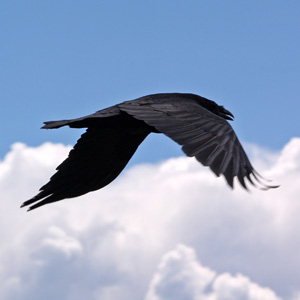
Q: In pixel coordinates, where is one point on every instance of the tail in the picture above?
(104, 115)
(56, 124)
(82, 122)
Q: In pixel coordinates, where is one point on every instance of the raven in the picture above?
(113, 135)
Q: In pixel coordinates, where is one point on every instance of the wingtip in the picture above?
(257, 183)
(274, 186)
(23, 205)
(29, 208)
(265, 187)
(26, 203)
(268, 187)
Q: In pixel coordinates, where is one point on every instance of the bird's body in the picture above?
(113, 135)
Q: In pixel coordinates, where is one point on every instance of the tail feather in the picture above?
(56, 124)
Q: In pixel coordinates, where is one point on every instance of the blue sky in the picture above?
(65, 59)
(168, 228)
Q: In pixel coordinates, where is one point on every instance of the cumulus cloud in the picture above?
(121, 242)
(181, 276)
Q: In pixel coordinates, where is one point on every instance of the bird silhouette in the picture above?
(114, 133)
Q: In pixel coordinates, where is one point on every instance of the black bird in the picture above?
(113, 135)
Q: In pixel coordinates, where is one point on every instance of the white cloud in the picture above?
(108, 244)
(181, 277)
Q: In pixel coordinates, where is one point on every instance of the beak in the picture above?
(228, 115)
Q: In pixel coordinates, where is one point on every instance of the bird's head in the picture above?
(224, 113)
(215, 108)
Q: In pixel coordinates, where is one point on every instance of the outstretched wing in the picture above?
(97, 159)
(201, 133)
